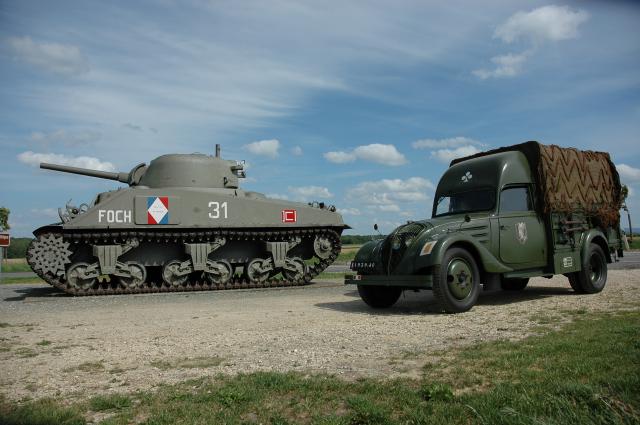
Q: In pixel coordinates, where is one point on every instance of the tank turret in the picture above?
(173, 170)
(183, 224)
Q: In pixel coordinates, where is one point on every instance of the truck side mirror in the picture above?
(375, 227)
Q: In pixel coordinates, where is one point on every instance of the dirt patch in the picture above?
(101, 345)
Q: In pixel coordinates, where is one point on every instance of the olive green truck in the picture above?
(499, 218)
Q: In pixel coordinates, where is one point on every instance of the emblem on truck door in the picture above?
(521, 232)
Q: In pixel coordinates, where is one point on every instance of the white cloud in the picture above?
(58, 58)
(45, 212)
(277, 196)
(349, 211)
(628, 174)
(389, 192)
(389, 208)
(296, 150)
(339, 157)
(65, 137)
(375, 152)
(508, 65)
(451, 148)
(447, 155)
(34, 159)
(547, 23)
(268, 148)
(452, 142)
(382, 154)
(308, 193)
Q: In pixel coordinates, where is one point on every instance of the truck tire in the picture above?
(456, 282)
(379, 296)
(593, 276)
(514, 283)
(573, 281)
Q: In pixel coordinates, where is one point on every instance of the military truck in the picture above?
(499, 218)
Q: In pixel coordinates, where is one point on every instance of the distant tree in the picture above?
(18, 248)
(4, 219)
(624, 192)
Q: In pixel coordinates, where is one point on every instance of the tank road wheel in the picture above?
(379, 296)
(593, 276)
(137, 278)
(322, 247)
(170, 274)
(456, 282)
(223, 274)
(295, 269)
(514, 284)
(76, 276)
(256, 272)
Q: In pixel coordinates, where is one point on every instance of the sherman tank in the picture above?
(183, 224)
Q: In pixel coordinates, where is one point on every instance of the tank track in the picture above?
(236, 282)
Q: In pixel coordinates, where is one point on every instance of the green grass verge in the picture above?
(13, 280)
(586, 373)
(327, 275)
(346, 257)
(635, 244)
(14, 266)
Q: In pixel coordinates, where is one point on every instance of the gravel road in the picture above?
(55, 345)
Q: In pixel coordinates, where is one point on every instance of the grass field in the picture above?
(585, 373)
(347, 253)
(18, 280)
(12, 265)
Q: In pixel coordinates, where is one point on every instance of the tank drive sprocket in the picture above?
(49, 253)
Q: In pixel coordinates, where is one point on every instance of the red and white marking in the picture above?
(158, 210)
(289, 216)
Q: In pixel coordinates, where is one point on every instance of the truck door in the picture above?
(522, 231)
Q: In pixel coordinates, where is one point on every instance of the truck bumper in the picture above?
(400, 281)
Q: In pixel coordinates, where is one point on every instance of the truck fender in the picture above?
(367, 252)
(595, 236)
(487, 260)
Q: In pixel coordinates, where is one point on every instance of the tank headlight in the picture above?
(395, 244)
(426, 249)
(408, 242)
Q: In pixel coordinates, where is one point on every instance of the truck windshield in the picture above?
(464, 202)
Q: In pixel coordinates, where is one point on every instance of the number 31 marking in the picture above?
(215, 209)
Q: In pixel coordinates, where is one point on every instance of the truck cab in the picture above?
(489, 226)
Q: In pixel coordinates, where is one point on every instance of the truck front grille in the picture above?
(395, 245)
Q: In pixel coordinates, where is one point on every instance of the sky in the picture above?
(357, 104)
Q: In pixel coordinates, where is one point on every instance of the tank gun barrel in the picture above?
(121, 177)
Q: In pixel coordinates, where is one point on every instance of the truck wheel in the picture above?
(573, 281)
(593, 275)
(379, 296)
(456, 282)
(514, 283)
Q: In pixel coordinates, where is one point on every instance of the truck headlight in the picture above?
(426, 249)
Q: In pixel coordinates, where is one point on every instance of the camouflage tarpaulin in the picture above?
(569, 180)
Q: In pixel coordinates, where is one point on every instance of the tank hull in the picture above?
(140, 240)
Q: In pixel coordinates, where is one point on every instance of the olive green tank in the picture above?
(183, 224)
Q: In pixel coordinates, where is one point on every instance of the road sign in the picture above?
(5, 240)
